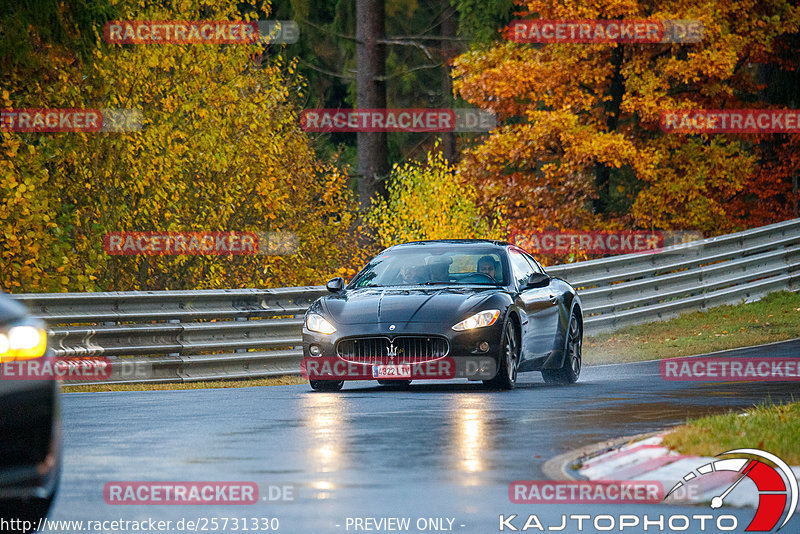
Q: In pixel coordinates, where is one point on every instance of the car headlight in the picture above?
(22, 341)
(318, 323)
(479, 320)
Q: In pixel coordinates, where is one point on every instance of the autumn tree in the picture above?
(772, 192)
(421, 38)
(373, 156)
(427, 200)
(220, 149)
(581, 146)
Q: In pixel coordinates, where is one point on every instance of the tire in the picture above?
(571, 368)
(326, 385)
(506, 377)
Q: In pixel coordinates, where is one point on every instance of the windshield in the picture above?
(434, 266)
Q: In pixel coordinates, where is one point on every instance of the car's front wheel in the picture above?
(571, 368)
(326, 385)
(506, 377)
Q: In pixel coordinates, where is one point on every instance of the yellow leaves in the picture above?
(428, 201)
(541, 166)
(221, 150)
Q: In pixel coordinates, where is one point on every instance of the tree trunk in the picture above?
(616, 91)
(373, 154)
(448, 32)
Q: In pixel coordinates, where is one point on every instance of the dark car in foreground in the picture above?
(30, 429)
(430, 300)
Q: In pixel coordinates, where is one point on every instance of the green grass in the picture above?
(271, 381)
(776, 317)
(773, 428)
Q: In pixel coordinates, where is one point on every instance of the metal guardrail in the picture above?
(728, 269)
(172, 336)
(180, 336)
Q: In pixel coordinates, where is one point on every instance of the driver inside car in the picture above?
(487, 266)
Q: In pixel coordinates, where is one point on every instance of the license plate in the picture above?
(383, 372)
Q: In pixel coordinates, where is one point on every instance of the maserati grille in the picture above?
(400, 349)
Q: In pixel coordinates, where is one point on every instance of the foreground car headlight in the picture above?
(318, 323)
(479, 320)
(22, 342)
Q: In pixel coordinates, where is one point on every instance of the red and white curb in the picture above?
(647, 459)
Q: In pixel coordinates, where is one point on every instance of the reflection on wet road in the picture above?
(443, 449)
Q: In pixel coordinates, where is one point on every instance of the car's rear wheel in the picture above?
(571, 368)
(326, 385)
(506, 377)
(397, 384)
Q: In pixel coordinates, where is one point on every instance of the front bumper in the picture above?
(463, 346)
(30, 439)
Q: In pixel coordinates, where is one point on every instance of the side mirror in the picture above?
(335, 285)
(537, 280)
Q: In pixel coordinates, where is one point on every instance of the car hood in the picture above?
(396, 305)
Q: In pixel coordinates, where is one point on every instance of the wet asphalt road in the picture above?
(438, 450)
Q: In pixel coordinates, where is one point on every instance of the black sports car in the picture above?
(455, 300)
(30, 424)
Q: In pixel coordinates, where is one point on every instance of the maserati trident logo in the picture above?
(391, 350)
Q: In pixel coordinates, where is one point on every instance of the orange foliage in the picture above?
(576, 113)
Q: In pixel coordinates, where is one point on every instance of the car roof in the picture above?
(454, 242)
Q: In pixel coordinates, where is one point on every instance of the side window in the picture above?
(521, 267)
(535, 264)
